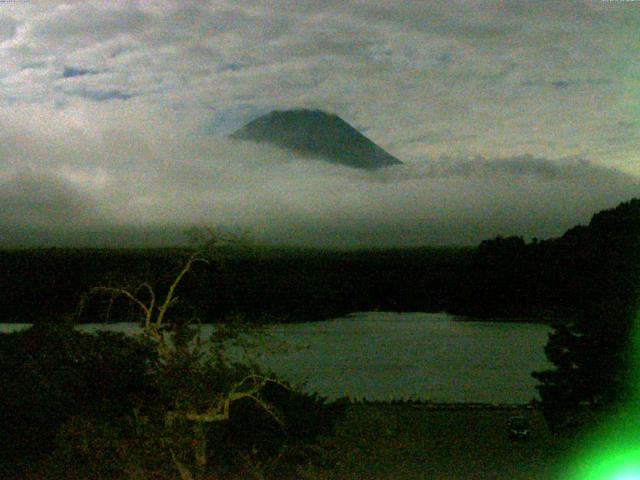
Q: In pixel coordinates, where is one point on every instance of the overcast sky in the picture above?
(511, 118)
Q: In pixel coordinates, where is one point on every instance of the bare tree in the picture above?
(204, 412)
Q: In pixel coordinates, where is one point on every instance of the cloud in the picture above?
(8, 28)
(489, 104)
(101, 95)
(70, 72)
(87, 20)
(564, 83)
(41, 200)
(526, 166)
(145, 182)
(430, 138)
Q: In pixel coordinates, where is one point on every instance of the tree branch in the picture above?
(169, 300)
(220, 412)
(116, 292)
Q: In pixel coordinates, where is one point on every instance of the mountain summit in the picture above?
(317, 134)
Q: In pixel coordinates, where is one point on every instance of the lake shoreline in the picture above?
(385, 356)
(288, 319)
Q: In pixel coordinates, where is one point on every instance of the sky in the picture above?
(511, 118)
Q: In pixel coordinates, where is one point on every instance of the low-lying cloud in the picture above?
(47, 201)
(140, 183)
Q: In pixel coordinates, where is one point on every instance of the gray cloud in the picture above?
(431, 138)
(8, 28)
(42, 200)
(83, 20)
(162, 179)
(521, 166)
(282, 199)
(101, 95)
(471, 86)
(563, 83)
(70, 72)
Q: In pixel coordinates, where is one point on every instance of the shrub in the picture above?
(269, 429)
(50, 372)
(208, 414)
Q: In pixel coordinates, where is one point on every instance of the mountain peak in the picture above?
(316, 134)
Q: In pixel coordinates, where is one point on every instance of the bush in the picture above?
(155, 405)
(593, 367)
(97, 406)
(50, 373)
(265, 435)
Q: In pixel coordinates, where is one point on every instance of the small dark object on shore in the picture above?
(519, 428)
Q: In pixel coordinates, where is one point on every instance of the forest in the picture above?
(503, 277)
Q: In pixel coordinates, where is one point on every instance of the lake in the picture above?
(384, 356)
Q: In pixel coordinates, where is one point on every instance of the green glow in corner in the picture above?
(612, 452)
(628, 475)
(624, 465)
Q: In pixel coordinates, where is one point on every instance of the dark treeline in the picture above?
(502, 277)
(593, 352)
(558, 277)
(281, 284)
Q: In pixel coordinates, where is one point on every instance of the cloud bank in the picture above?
(144, 182)
(510, 119)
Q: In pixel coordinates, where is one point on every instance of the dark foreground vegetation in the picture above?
(105, 406)
(164, 404)
(76, 405)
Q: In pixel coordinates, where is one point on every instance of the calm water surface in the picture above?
(381, 355)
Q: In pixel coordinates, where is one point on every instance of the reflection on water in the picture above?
(382, 355)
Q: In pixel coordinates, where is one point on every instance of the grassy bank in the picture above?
(405, 441)
(385, 441)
